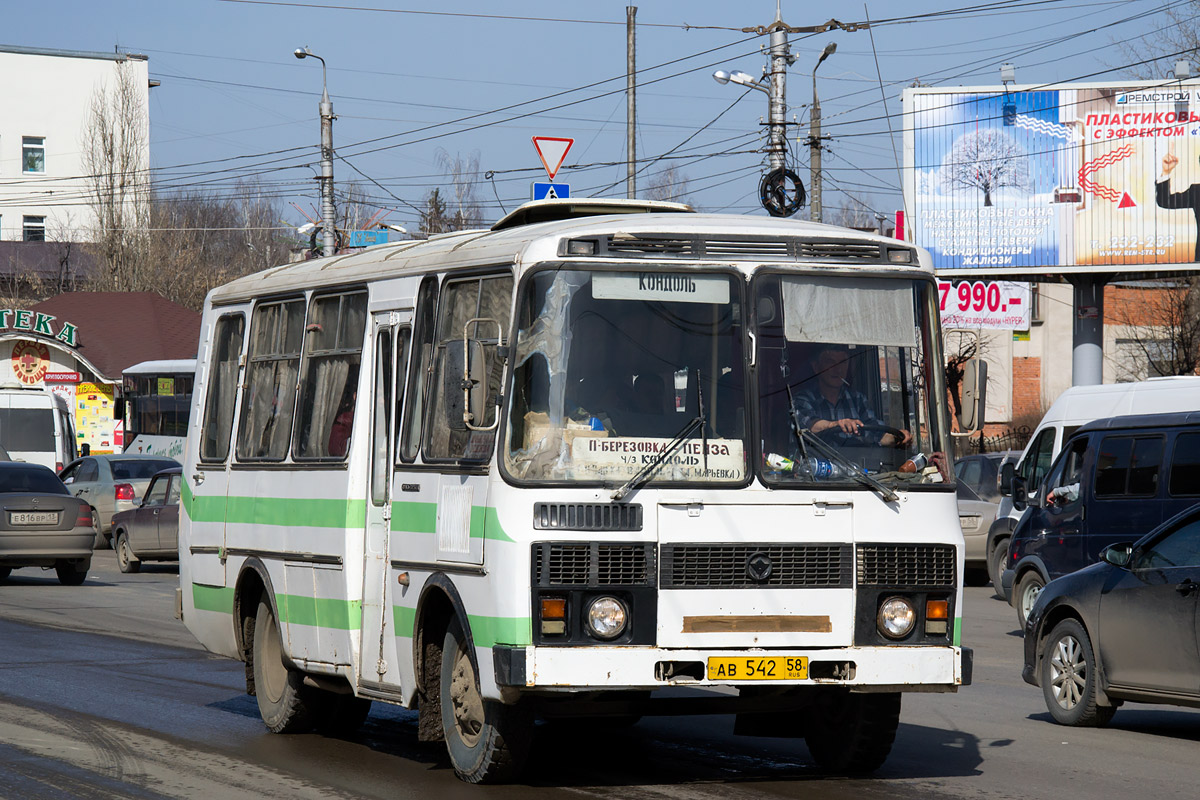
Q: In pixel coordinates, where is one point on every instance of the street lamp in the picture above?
(737, 76)
(326, 109)
(814, 137)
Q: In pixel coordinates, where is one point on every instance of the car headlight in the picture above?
(606, 617)
(896, 617)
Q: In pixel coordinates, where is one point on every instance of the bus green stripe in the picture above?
(404, 621)
(212, 598)
(957, 631)
(320, 612)
(485, 631)
(309, 512)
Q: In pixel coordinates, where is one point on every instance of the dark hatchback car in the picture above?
(1121, 630)
(42, 525)
(150, 531)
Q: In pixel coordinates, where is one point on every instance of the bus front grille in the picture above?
(593, 564)
(756, 566)
(910, 565)
(587, 516)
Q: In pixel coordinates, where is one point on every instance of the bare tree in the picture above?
(114, 155)
(464, 208)
(669, 183)
(987, 160)
(1161, 333)
(1178, 39)
(852, 213)
(433, 216)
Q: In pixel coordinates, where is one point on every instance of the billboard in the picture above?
(1070, 178)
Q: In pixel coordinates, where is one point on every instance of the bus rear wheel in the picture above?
(852, 734)
(488, 741)
(283, 700)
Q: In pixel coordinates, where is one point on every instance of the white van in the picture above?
(37, 426)
(1078, 406)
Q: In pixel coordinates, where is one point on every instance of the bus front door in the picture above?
(390, 336)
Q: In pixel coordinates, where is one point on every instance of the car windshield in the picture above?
(30, 480)
(139, 469)
(848, 380)
(24, 430)
(611, 367)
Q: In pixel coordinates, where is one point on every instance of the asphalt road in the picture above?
(103, 694)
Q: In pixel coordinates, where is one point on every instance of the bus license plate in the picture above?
(33, 517)
(755, 668)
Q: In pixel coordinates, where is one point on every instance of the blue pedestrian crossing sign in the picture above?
(551, 191)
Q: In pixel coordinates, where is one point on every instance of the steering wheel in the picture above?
(864, 429)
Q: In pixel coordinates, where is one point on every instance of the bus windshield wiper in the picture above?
(699, 421)
(806, 437)
(852, 469)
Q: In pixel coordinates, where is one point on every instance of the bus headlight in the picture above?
(606, 617)
(896, 617)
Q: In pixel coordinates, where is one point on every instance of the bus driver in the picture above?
(832, 404)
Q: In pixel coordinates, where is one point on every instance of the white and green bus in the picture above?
(542, 472)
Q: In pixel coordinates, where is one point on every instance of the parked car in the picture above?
(978, 478)
(150, 531)
(1123, 629)
(42, 525)
(1075, 407)
(1115, 480)
(112, 483)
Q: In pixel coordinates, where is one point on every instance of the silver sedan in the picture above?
(42, 525)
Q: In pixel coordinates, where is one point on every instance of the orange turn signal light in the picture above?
(554, 608)
(937, 609)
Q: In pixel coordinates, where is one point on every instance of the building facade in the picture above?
(44, 189)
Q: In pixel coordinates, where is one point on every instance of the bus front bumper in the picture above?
(891, 668)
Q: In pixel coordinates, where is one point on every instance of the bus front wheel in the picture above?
(488, 741)
(852, 734)
(282, 697)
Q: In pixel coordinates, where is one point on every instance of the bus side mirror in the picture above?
(1007, 472)
(119, 408)
(974, 395)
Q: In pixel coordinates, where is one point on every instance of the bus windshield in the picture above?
(847, 370)
(610, 368)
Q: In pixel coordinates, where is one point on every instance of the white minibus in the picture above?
(550, 469)
(37, 426)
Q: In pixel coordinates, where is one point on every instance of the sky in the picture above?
(417, 86)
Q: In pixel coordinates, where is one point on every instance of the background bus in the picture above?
(154, 407)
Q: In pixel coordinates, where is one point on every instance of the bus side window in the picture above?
(265, 427)
(403, 340)
(333, 346)
(487, 298)
(222, 388)
(426, 307)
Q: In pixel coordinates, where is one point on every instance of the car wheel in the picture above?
(997, 563)
(852, 734)
(127, 562)
(488, 741)
(101, 539)
(1069, 677)
(71, 573)
(1029, 587)
(283, 699)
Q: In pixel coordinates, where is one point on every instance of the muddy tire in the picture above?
(283, 699)
(852, 734)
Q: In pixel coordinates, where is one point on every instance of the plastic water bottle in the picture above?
(818, 469)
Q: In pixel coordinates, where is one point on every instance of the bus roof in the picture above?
(719, 238)
(167, 366)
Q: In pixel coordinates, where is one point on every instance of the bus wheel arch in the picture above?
(253, 584)
(439, 603)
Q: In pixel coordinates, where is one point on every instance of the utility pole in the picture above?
(631, 101)
(814, 140)
(328, 214)
(781, 58)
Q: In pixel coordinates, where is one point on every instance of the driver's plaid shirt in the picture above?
(850, 405)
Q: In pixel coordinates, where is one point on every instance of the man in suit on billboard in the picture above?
(1188, 198)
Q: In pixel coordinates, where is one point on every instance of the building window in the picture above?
(1035, 303)
(33, 154)
(35, 229)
